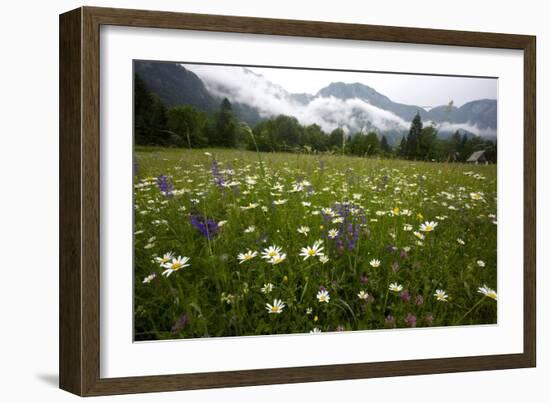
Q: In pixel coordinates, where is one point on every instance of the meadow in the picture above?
(235, 243)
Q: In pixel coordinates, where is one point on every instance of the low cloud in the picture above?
(244, 86)
(472, 128)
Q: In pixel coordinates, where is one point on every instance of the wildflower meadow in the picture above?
(230, 242)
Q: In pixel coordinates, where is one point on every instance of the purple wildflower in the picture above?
(206, 226)
(350, 228)
(165, 185)
(180, 323)
(405, 296)
(410, 320)
(419, 300)
(389, 322)
(218, 178)
(363, 279)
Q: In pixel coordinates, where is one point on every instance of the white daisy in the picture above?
(149, 278)
(480, 263)
(277, 306)
(243, 257)
(270, 252)
(303, 230)
(267, 288)
(332, 233)
(165, 258)
(488, 292)
(277, 259)
(441, 295)
(375, 263)
(311, 251)
(328, 211)
(323, 296)
(175, 265)
(428, 226)
(395, 287)
(363, 295)
(315, 330)
(476, 196)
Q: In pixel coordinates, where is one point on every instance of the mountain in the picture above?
(364, 92)
(352, 106)
(481, 113)
(175, 85)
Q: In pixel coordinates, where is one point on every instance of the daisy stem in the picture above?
(385, 302)
(470, 311)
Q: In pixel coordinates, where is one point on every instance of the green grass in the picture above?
(217, 296)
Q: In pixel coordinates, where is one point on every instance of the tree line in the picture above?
(185, 126)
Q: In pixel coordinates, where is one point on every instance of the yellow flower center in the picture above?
(492, 295)
(311, 252)
(176, 265)
(274, 309)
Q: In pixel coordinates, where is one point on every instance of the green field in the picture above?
(404, 243)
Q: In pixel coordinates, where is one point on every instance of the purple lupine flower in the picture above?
(350, 229)
(165, 185)
(206, 226)
(180, 323)
(322, 288)
(419, 300)
(410, 320)
(218, 178)
(405, 296)
(389, 322)
(403, 254)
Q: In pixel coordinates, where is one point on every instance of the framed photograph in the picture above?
(248, 201)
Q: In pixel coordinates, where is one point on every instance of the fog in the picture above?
(251, 86)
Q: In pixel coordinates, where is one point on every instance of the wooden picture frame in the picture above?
(79, 200)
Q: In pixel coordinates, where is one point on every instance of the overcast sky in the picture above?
(409, 89)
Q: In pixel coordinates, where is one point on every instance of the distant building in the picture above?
(478, 157)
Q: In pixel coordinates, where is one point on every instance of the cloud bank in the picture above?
(243, 86)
